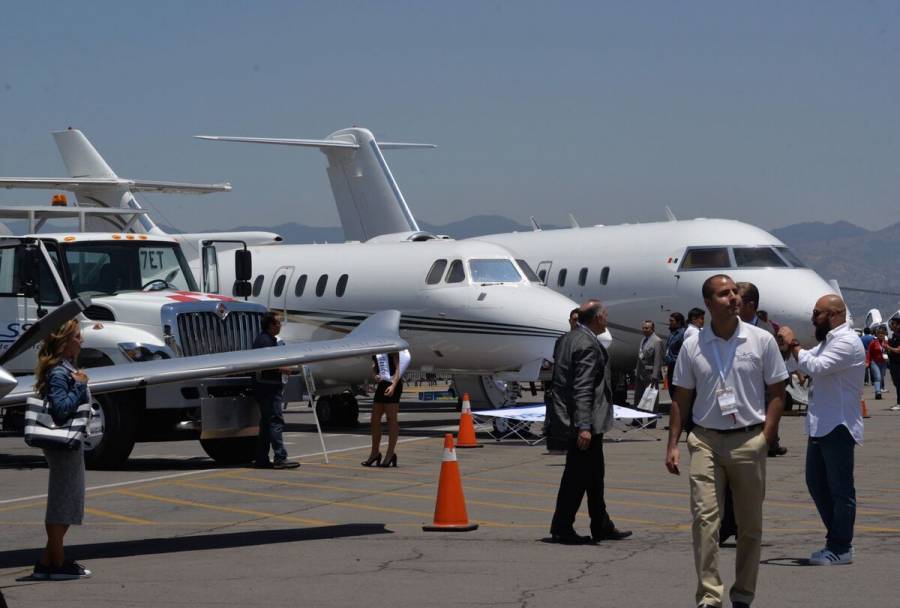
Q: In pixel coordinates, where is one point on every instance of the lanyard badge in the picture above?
(725, 395)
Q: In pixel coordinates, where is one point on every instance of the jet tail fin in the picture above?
(367, 196)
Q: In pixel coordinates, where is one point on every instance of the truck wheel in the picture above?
(231, 450)
(112, 439)
(349, 414)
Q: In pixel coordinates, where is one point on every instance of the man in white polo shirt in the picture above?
(730, 364)
(833, 422)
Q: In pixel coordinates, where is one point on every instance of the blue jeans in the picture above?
(877, 371)
(271, 425)
(829, 477)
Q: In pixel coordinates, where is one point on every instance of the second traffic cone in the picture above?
(450, 510)
(466, 436)
(865, 410)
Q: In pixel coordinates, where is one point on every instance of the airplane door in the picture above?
(281, 282)
(543, 271)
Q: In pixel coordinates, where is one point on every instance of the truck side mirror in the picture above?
(31, 272)
(243, 265)
(242, 289)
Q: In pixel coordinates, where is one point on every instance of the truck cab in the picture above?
(144, 305)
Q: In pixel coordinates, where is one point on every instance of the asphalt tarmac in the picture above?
(173, 529)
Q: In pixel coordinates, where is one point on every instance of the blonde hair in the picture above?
(51, 351)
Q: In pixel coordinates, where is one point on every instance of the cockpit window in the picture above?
(436, 272)
(757, 257)
(494, 271)
(528, 272)
(791, 257)
(456, 274)
(706, 258)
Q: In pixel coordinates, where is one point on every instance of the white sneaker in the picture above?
(826, 557)
(895, 408)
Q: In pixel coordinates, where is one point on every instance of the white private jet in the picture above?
(467, 307)
(640, 271)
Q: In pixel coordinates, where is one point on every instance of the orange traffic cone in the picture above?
(450, 509)
(865, 410)
(466, 436)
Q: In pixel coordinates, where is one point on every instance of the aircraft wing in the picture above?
(75, 184)
(377, 334)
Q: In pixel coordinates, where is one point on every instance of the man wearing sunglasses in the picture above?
(833, 422)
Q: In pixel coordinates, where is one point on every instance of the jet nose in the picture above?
(792, 304)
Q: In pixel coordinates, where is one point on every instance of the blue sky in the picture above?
(768, 112)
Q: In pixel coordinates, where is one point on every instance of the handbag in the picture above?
(42, 432)
(648, 399)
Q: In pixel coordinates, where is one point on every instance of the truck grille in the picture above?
(204, 333)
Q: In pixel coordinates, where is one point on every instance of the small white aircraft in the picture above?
(467, 307)
(640, 271)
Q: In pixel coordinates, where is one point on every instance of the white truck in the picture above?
(145, 305)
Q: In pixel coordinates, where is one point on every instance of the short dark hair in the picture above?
(679, 318)
(868, 330)
(586, 314)
(696, 313)
(574, 311)
(652, 324)
(749, 292)
(268, 320)
(707, 289)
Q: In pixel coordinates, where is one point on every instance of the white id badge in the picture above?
(727, 401)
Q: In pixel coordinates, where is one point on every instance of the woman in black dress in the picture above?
(386, 402)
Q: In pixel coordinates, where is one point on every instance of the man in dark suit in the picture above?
(649, 363)
(583, 412)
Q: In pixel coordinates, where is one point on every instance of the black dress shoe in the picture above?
(614, 534)
(778, 451)
(740, 605)
(571, 539)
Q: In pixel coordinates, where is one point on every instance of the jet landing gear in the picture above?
(338, 411)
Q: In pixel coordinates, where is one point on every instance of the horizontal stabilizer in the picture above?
(73, 184)
(309, 143)
(378, 334)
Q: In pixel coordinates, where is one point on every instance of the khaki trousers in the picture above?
(740, 459)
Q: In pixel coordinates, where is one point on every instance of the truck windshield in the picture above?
(102, 267)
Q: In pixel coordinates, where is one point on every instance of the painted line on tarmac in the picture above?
(121, 484)
(203, 505)
(122, 518)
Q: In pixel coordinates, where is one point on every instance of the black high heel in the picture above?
(390, 462)
(373, 461)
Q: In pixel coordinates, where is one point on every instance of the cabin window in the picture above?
(257, 285)
(561, 278)
(494, 271)
(604, 275)
(582, 276)
(436, 272)
(300, 286)
(791, 257)
(706, 258)
(542, 275)
(341, 285)
(321, 284)
(279, 286)
(456, 274)
(528, 272)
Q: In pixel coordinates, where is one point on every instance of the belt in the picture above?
(743, 429)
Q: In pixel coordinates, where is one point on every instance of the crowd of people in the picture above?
(727, 386)
(727, 383)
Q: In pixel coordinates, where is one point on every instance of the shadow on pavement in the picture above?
(206, 542)
(786, 561)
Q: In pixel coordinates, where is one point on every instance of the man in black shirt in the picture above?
(269, 392)
(893, 351)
